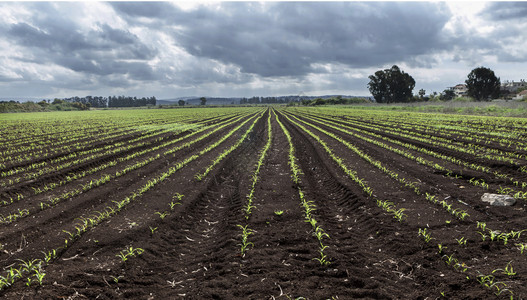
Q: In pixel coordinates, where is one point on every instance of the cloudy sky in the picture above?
(243, 49)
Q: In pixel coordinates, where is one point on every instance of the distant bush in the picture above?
(334, 101)
(462, 99)
(57, 105)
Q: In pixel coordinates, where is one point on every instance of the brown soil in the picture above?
(194, 252)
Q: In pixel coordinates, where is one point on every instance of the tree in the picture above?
(181, 102)
(391, 85)
(447, 94)
(203, 100)
(422, 93)
(482, 84)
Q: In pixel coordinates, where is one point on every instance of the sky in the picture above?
(244, 49)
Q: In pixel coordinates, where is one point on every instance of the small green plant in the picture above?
(427, 236)
(246, 232)
(462, 241)
(461, 266)
(449, 259)
(176, 201)
(50, 255)
(130, 251)
(483, 235)
(116, 279)
(494, 235)
(278, 212)
(509, 271)
(320, 234)
(152, 229)
(441, 248)
(323, 259)
(39, 276)
(521, 247)
(162, 215)
(481, 225)
(486, 280)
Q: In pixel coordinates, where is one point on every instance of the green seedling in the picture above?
(483, 235)
(509, 271)
(278, 212)
(462, 241)
(481, 225)
(450, 259)
(427, 236)
(323, 257)
(116, 279)
(39, 276)
(130, 251)
(246, 232)
(521, 247)
(162, 215)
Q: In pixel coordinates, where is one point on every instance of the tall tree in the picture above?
(482, 84)
(391, 85)
(203, 100)
(447, 94)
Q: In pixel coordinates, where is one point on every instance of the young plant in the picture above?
(152, 229)
(462, 241)
(39, 276)
(521, 247)
(481, 225)
(509, 271)
(483, 235)
(441, 248)
(427, 236)
(176, 201)
(246, 232)
(323, 259)
(130, 251)
(162, 215)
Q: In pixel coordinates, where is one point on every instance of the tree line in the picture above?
(111, 101)
(260, 100)
(394, 85)
(122, 101)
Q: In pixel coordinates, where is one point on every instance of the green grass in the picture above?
(497, 109)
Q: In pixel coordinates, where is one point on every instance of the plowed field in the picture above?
(261, 203)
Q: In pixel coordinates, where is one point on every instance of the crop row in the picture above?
(95, 218)
(106, 178)
(357, 132)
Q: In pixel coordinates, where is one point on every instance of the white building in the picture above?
(512, 86)
(460, 90)
(521, 95)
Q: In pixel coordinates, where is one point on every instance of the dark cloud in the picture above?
(144, 9)
(101, 51)
(117, 36)
(56, 40)
(70, 41)
(284, 39)
(506, 10)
